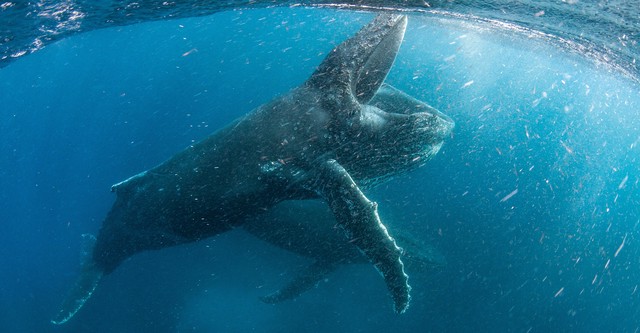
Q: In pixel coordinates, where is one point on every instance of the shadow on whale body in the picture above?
(320, 140)
(309, 229)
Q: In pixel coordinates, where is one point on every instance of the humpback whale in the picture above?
(322, 139)
(308, 228)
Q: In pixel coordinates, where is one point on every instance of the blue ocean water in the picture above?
(533, 201)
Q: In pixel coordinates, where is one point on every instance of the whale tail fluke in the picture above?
(86, 283)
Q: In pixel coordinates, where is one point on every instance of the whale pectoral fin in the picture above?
(85, 285)
(83, 288)
(359, 218)
(359, 65)
(301, 283)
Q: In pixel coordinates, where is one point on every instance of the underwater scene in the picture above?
(362, 166)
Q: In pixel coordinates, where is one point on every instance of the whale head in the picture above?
(378, 131)
(395, 133)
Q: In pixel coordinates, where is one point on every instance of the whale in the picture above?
(308, 229)
(321, 140)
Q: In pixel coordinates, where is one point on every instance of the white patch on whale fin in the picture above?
(301, 283)
(84, 286)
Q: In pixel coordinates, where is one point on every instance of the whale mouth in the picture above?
(445, 123)
(399, 104)
(438, 124)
